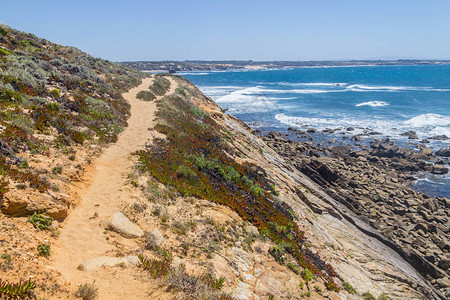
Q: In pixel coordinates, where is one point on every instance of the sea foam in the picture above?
(430, 120)
(373, 103)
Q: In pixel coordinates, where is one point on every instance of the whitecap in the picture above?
(193, 73)
(373, 103)
(336, 122)
(294, 91)
(428, 120)
(388, 88)
(336, 84)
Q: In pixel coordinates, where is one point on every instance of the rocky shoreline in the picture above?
(375, 183)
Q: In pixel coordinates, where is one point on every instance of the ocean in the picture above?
(387, 100)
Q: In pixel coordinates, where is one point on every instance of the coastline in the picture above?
(198, 66)
(374, 182)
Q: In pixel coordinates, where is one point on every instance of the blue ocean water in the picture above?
(386, 99)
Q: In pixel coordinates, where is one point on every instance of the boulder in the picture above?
(439, 137)
(340, 150)
(444, 264)
(410, 134)
(154, 239)
(425, 150)
(439, 169)
(443, 152)
(251, 230)
(119, 223)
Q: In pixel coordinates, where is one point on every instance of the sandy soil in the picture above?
(102, 193)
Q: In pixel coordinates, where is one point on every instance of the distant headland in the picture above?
(221, 65)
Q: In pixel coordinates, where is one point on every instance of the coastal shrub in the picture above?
(293, 267)
(384, 297)
(16, 290)
(40, 221)
(368, 296)
(9, 95)
(23, 123)
(278, 252)
(181, 91)
(212, 282)
(3, 31)
(4, 52)
(156, 268)
(146, 96)
(160, 86)
(307, 275)
(44, 250)
(55, 93)
(6, 263)
(318, 289)
(57, 170)
(198, 112)
(186, 172)
(194, 158)
(87, 291)
(21, 176)
(349, 288)
(26, 70)
(205, 286)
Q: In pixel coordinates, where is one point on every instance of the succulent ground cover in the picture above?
(197, 159)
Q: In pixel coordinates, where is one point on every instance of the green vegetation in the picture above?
(182, 92)
(368, 296)
(318, 289)
(16, 290)
(156, 268)
(6, 263)
(57, 170)
(302, 285)
(205, 286)
(293, 267)
(146, 96)
(349, 288)
(3, 31)
(44, 250)
(278, 252)
(87, 291)
(384, 297)
(46, 88)
(160, 86)
(194, 158)
(307, 275)
(40, 221)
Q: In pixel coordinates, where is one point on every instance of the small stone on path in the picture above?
(119, 223)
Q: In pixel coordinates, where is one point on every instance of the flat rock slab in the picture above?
(105, 261)
(119, 223)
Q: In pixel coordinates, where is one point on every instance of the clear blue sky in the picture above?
(258, 30)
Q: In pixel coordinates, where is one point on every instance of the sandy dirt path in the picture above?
(103, 193)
